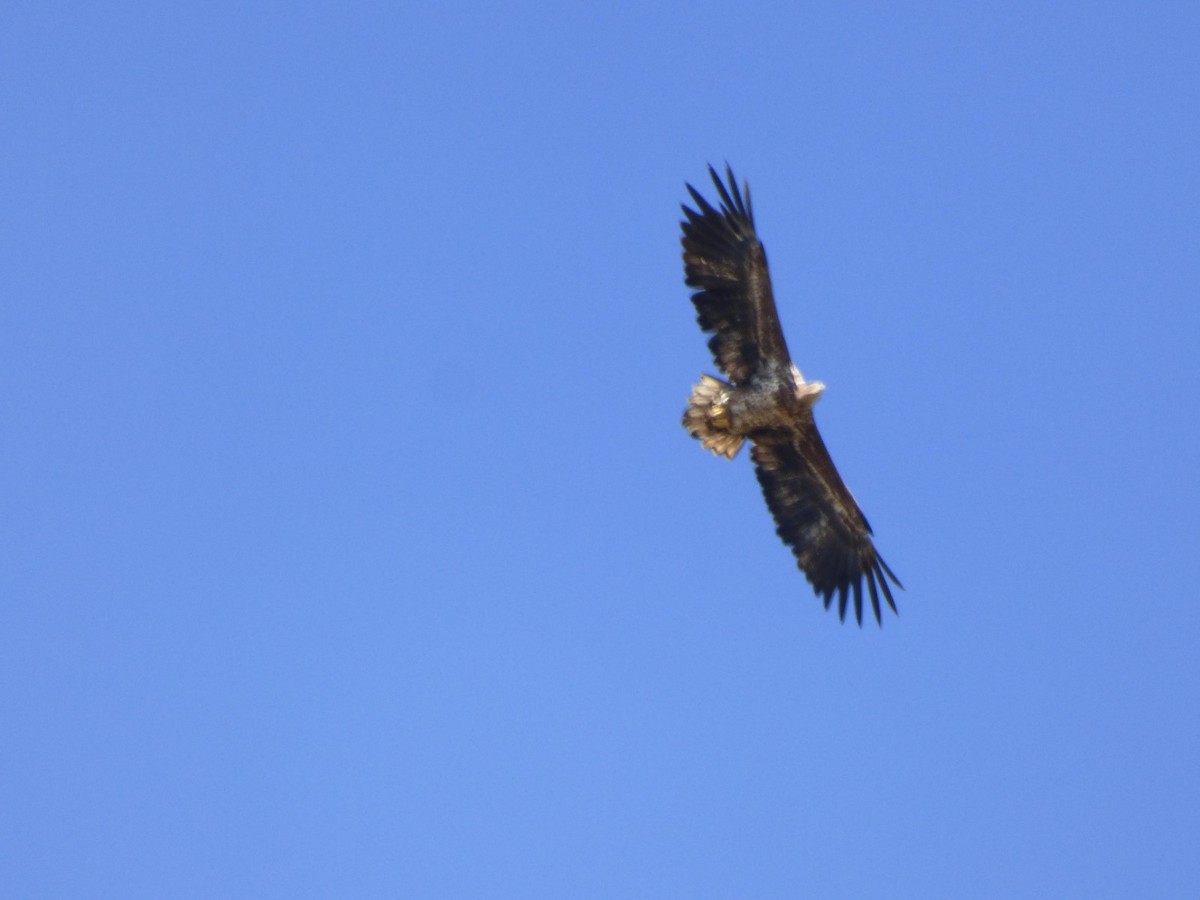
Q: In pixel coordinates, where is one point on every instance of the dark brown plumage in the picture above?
(768, 402)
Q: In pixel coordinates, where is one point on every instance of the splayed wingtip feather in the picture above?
(874, 595)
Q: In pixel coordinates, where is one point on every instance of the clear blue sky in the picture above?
(350, 542)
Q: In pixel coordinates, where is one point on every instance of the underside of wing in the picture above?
(818, 518)
(724, 259)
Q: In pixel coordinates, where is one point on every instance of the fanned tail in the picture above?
(707, 419)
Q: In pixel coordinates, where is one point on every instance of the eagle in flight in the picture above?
(768, 402)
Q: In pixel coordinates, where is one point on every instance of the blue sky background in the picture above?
(351, 545)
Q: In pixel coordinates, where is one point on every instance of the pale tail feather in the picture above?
(706, 418)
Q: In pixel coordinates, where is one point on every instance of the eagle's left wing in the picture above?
(817, 517)
(723, 257)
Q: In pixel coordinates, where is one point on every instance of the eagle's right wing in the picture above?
(723, 257)
(819, 519)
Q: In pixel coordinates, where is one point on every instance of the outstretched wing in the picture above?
(723, 257)
(818, 518)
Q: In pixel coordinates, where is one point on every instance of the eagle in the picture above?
(767, 402)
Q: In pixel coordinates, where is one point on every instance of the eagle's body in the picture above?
(768, 402)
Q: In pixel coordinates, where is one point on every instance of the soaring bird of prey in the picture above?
(767, 402)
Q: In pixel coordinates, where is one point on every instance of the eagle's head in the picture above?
(808, 392)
